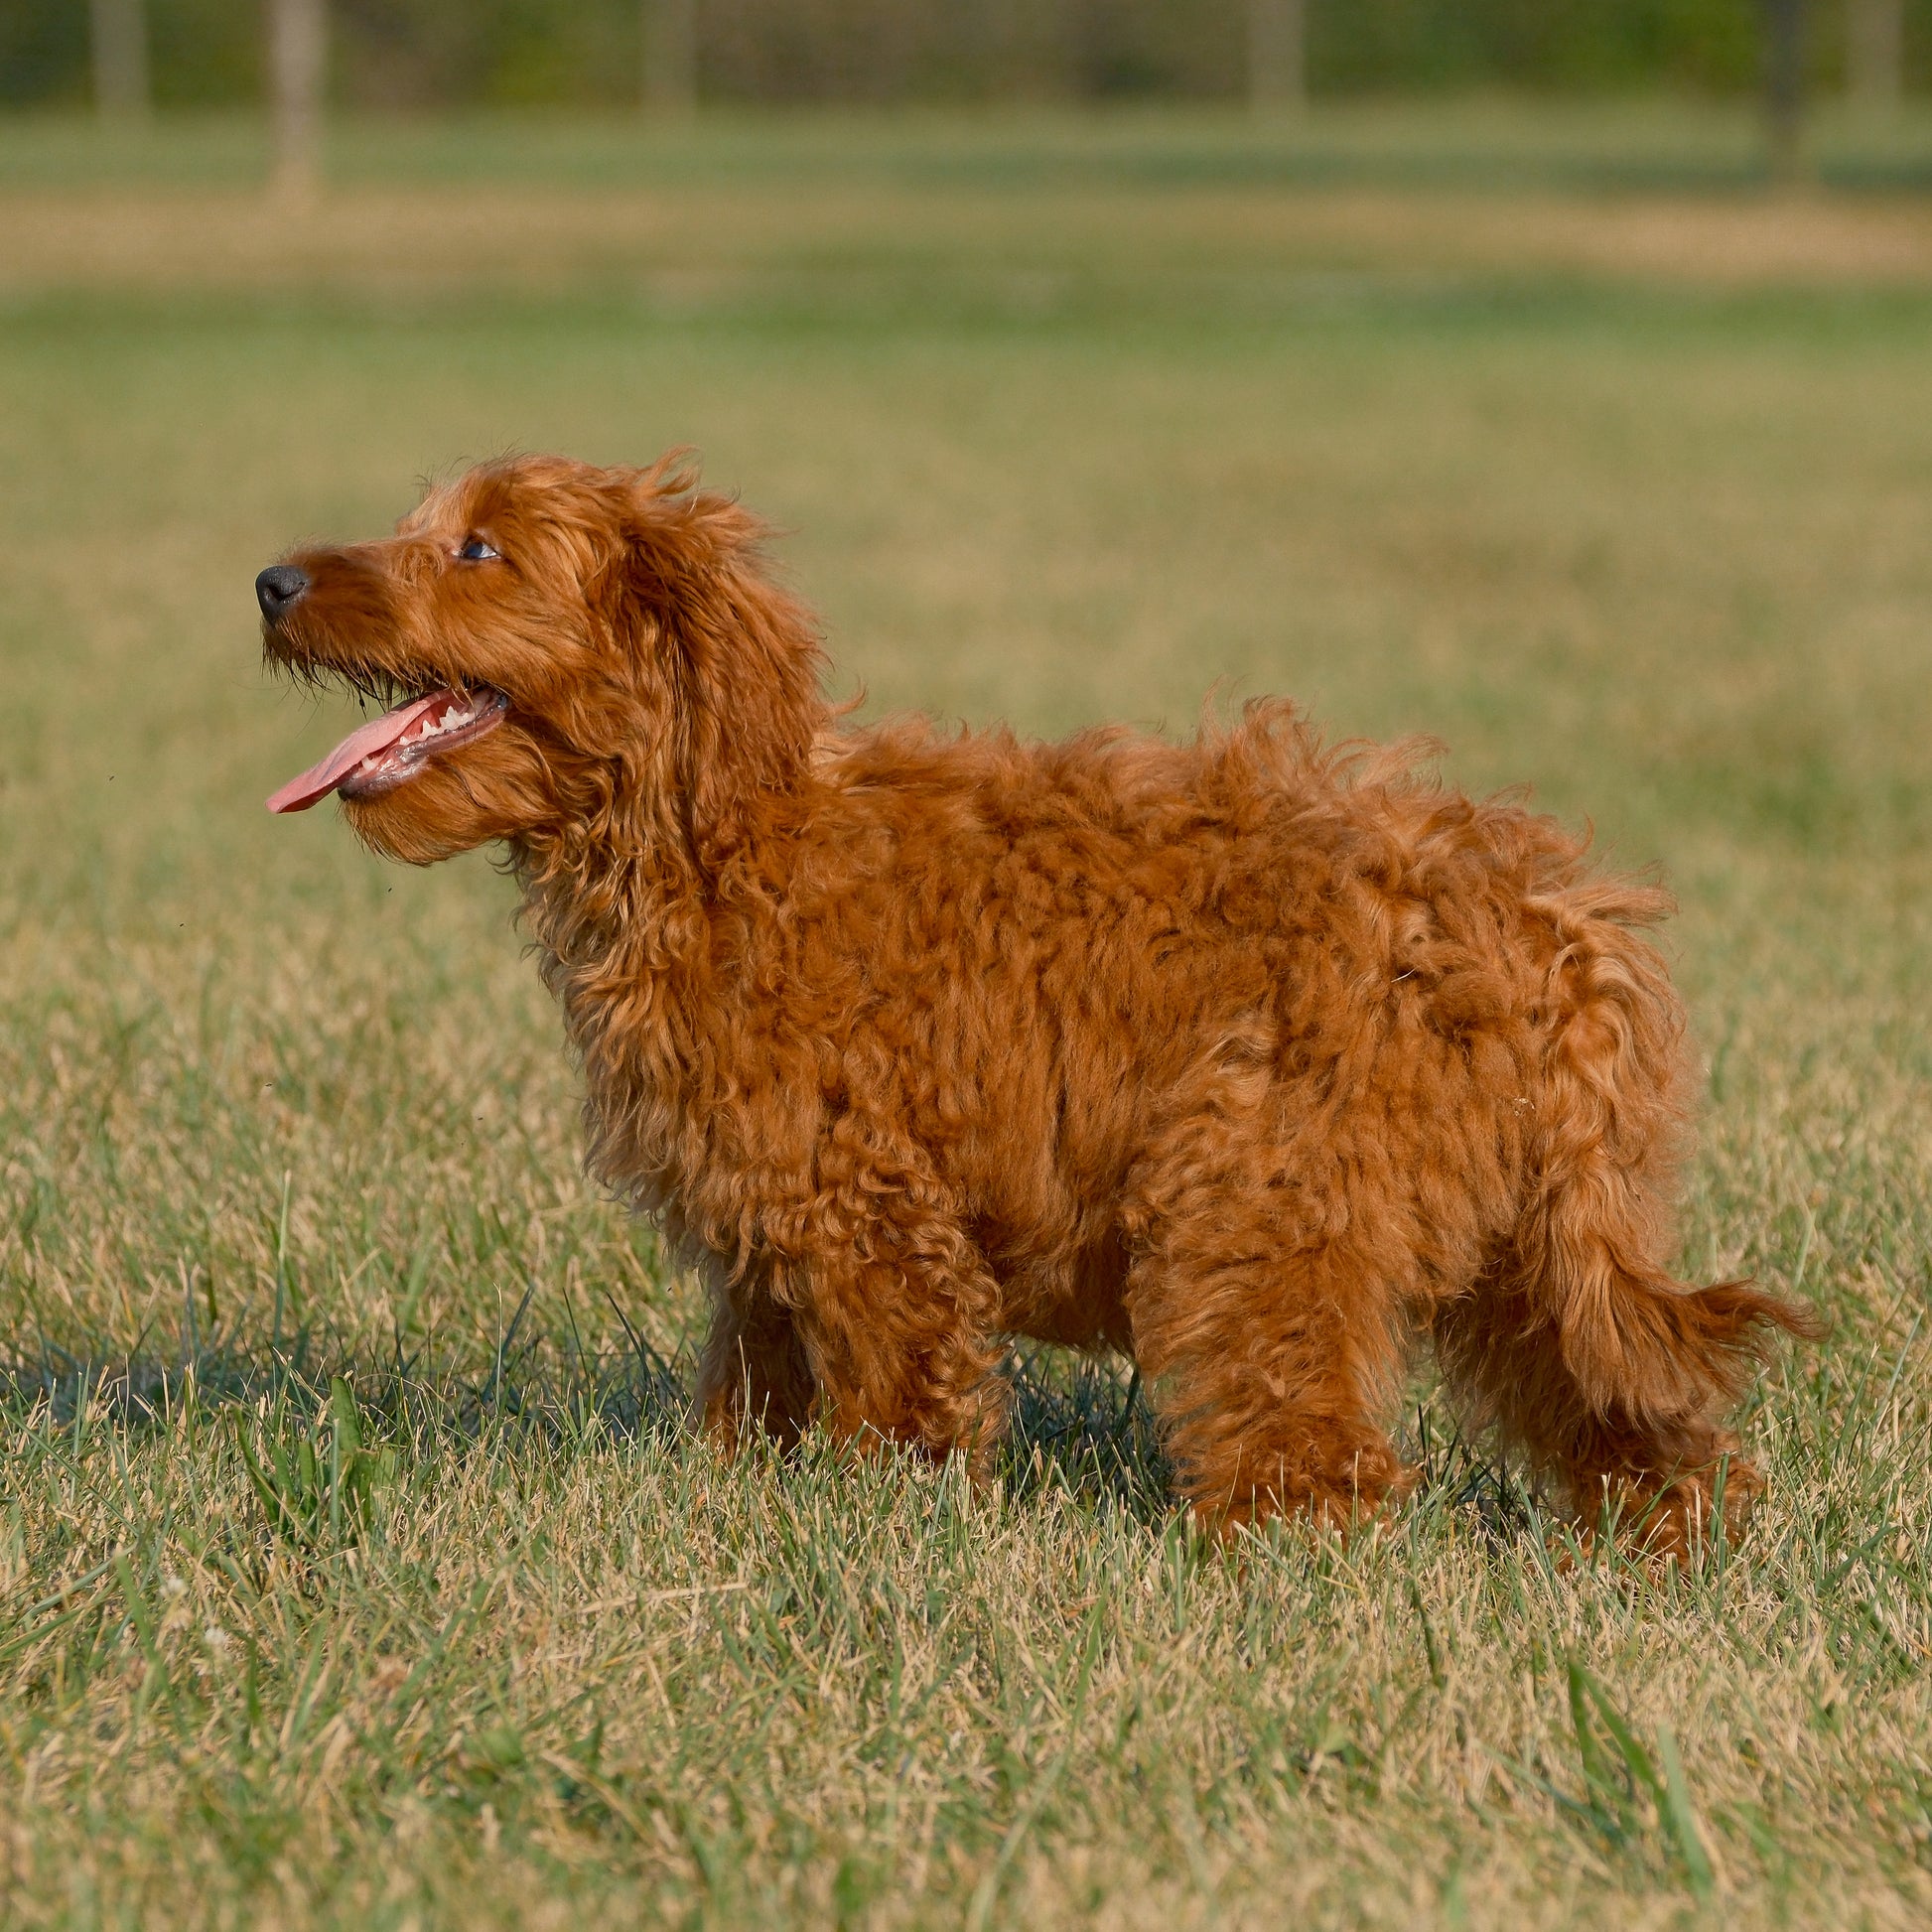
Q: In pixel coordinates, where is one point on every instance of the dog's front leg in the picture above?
(755, 1375)
(900, 1356)
(896, 1307)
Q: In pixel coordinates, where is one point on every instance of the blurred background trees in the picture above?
(438, 54)
(1874, 50)
(120, 44)
(298, 70)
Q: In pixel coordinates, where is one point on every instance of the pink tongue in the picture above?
(366, 739)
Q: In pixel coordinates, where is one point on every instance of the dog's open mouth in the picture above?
(390, 749)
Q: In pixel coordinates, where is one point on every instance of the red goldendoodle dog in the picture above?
(1248, 1057)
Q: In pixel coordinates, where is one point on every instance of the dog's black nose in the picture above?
(278, 586)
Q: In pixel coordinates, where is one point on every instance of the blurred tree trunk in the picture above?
(1784, 86)
(1874, 50)
(1025, 42)
(670, 33)
(297, 54)
(1278, 76)
(120, 51)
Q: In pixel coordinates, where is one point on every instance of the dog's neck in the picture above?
(608, 912)
(638, 941)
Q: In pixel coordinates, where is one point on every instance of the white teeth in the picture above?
(458, 715)
(453, 718)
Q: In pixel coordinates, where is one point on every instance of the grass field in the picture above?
(1580, 456)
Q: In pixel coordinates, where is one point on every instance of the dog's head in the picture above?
(567, 654)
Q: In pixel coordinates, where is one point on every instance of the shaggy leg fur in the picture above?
(895, 1353)
(1656, 1469)
(1271, 1361)
(895, 1305)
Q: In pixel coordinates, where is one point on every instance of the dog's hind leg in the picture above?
(1616, 1381)
(1272, 1359)
(1607, 1371)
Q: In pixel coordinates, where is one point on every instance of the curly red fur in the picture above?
(1252, 1058)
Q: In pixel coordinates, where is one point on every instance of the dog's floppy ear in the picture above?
(741, 656)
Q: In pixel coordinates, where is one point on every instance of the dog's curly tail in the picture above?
(1596, 1232)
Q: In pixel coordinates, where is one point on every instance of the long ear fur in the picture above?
(743, 657)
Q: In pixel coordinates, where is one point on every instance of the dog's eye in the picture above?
(477, 551)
